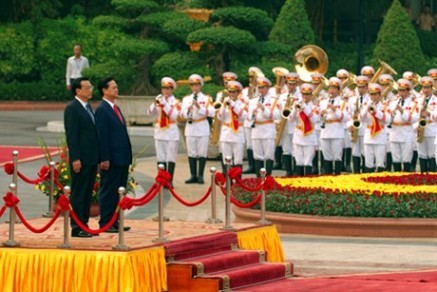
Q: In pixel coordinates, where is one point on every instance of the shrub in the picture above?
(397, 42)
(292, 26)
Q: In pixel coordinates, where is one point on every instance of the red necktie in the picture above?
(118, 114)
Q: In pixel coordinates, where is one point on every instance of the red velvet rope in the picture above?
(190, 204)
(43, 174)
(269, 183)
(163, 178)
(33, 229)
(2, 210)
(250, 189)
(145, 196)
(10, 200)
(246, 205)
(93, 231)
(238, 203)
(220, 179)
(128, 203)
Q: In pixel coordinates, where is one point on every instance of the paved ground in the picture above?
(312, 255)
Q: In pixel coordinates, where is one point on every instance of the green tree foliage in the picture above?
(292, 26)
(397, 42)
(248, 18)
(179, 28)
(225, 36)
(17, 56)
(132, 8)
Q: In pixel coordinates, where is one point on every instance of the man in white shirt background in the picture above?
(75, 65)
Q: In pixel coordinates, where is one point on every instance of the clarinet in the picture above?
(190, 113)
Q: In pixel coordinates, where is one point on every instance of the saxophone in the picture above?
(215, 128)
(284, 118)
(422, 123)
(356, 124)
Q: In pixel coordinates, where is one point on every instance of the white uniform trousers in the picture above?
(347, 139)
(248, 137)
(304, 154)
(332, 149)
(358, 147)
(287, 144)
(234, 150)
(166, 150)
(402, 152)
(374, 155)
(197, 146)
(426, 148)
(263, 149)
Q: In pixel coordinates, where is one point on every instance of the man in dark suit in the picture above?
(115, 152)
(83, 151)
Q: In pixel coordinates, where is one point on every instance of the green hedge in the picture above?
(38, 91)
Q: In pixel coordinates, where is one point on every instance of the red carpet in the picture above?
(421, 281)
(25, 153)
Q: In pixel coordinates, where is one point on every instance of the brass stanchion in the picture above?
(11, 242)
(213, 219)
(161, 237)
(15, 178)
(263, 220)
(156, 219)
(66, 244)
(228, 226)
(49, 213)
(121, 245)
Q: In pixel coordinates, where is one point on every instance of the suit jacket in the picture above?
(115, 145)
(81, 134)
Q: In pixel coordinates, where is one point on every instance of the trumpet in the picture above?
(158, 99)
(372, 108)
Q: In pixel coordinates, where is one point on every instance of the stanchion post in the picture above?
(228, 226)
(213, 219)
(161, 237)
(49, 213)
(121, 245)
(156, 219)
(263, 220)
(66, 244)
(11, 242)
(15, 174)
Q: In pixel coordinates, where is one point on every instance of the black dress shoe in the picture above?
(80, 233)
(115, 229)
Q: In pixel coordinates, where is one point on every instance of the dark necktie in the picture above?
(195, 96)
(402, 103)
(361, 99)
(332, 101)
(262, 99)
(118, 114)
(90, 112)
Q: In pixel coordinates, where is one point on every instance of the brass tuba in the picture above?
(254, 74)
(384, 68)
(311, 59)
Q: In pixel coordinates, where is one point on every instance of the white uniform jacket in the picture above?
(375, 129)
(301, 134)
(232, 118)
(199, 126)
(166, 114)
(265, 128)
(402, 129)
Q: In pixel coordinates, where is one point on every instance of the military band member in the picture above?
(402, 135)
(368, 71)
(248, 94)
(386, 81)
(263, 110)
(196, 107)
(346, 93)
(305, 114)
(433, 74)
(427, 105)
(414, 82)
(293, 93)
(232, 115)
(375, 138)
(317, 79)
(166, 109)
(357, 103)
(333, 113)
